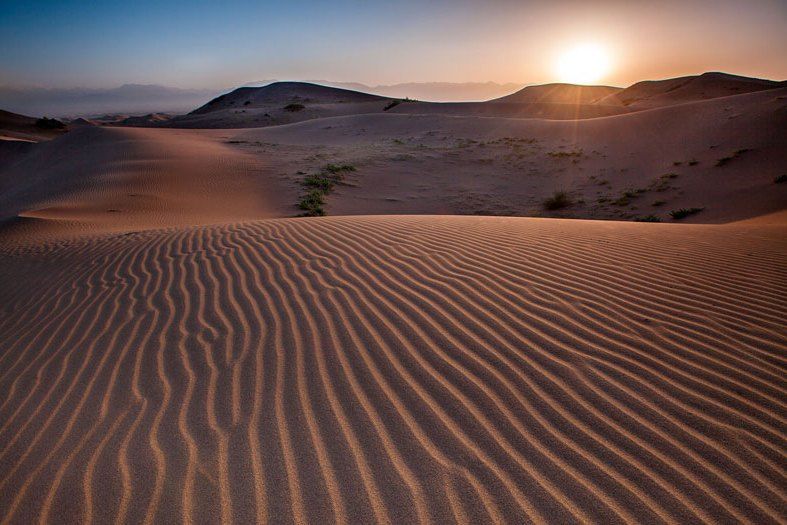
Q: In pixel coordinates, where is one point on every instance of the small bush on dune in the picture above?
(338, 168)
(647, 218)
(321, 184)
(565, 154)
(294, 107)
(684, 212)
(558, 200)
(780, 179)
(725, 160)
(312, 204)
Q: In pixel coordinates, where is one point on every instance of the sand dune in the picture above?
(540, 110)
(21, 127)
(128, 179)
(396, 369)
(478, 165)
(659, 93)
(253, 107)
(560, 94)
(120, 179)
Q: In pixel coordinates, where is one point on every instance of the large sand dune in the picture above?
(396, 369)
(272, 105)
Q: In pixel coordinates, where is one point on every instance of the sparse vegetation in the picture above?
(781, 179)
(662, 183)
(647, 218)
(693, 162)
(725, 160)
(565, 154)
(659, 203)
(319, 185)
(294, 107)
(684, 212)
(558, 200)
(312, 204)
(625, 199)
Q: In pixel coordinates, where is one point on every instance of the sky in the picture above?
(212, 44)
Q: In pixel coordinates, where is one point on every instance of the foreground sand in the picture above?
(396, 369)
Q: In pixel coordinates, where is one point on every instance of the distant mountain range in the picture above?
(128, 99)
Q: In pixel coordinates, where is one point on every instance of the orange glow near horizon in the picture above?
(586, 63)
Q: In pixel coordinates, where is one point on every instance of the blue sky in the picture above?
(218, 44)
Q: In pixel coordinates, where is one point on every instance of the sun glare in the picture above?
(583, 64)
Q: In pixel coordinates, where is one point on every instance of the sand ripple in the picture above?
(396, 370)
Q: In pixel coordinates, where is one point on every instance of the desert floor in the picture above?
(176, 345)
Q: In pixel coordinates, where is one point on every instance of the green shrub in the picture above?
(321, 184)
(338, 168)
(684, 212)
(565, 154)
(558, 200)
(647, 218)
(312, 204)
(294, 107)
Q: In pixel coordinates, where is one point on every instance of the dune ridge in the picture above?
(396, 369)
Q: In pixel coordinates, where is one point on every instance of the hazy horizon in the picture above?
(206, 46)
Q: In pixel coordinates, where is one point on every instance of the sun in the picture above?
(583, 64)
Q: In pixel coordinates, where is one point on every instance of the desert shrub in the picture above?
(662, 183)
(312, 204)
(659, 203)
(321, 184)
(49, 123)
(565, 154)
(780, 179)
(294, 107)
(247, 103)
(693, 162)
(647, 218)
(725, 160)
(338, 168)
(684, 212)
(558, 200)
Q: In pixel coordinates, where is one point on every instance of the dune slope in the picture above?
(119, 179)
(396, 370)
(659, 93)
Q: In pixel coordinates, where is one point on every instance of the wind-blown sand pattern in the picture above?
(396, 370)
